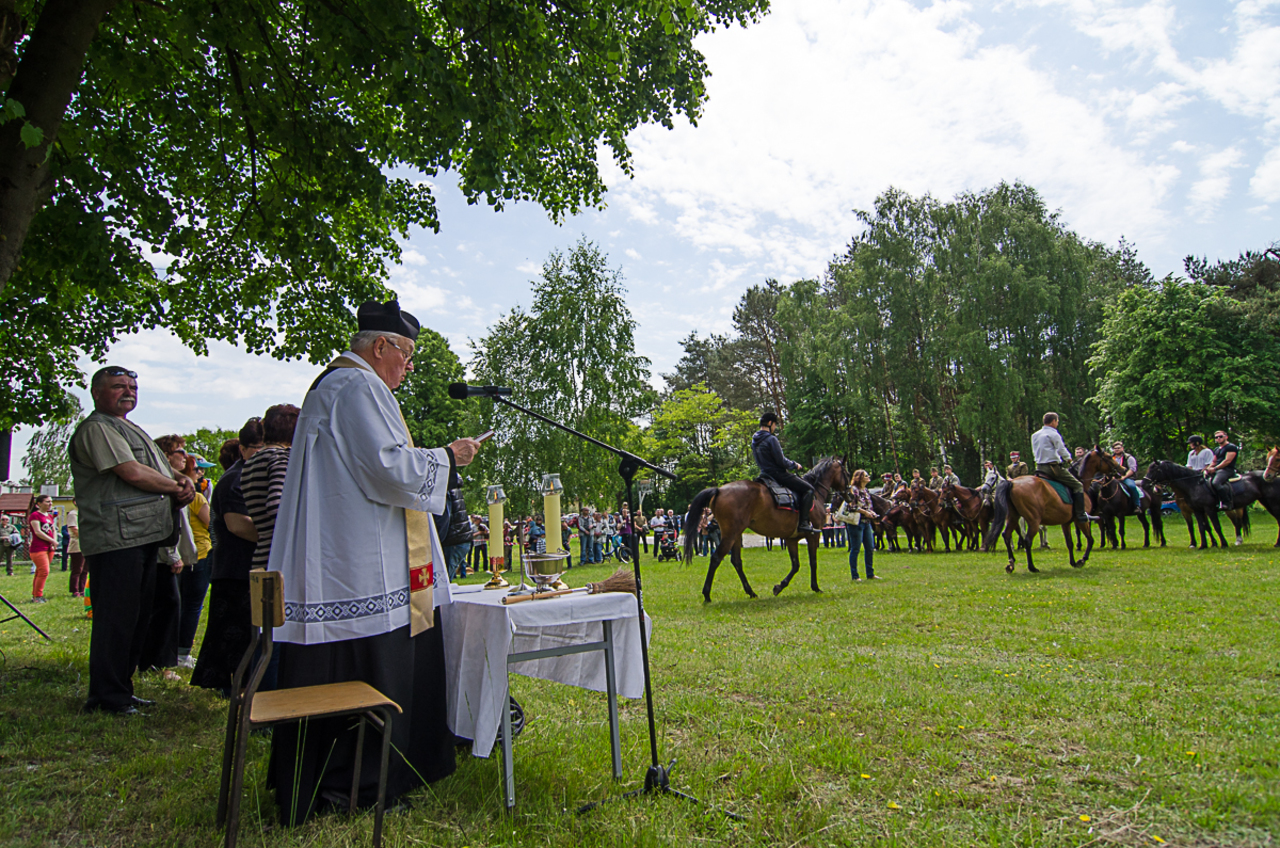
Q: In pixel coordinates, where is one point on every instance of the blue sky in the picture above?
(1157, 121)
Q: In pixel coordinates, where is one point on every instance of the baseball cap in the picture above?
(201, 462)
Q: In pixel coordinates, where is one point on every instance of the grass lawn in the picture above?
(1135, 701)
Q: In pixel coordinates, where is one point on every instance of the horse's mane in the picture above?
(1167, 465)
(820, 469)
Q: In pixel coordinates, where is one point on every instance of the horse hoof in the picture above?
(1033, 569)
(777, 590)
(1008, 569)
(752, 595)
(706, 599)
(816, 589)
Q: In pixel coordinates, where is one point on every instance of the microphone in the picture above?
(461, 391)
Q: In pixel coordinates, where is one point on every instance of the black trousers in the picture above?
(160, 646)
(796, 484)
(123, 585)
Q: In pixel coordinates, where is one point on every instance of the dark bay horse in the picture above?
(1195, 491)
(1035, 500)
(746, 503)
(1114, 504)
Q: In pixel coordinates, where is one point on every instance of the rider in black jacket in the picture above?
(768, 453)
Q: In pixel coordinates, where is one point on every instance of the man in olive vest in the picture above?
(127, 495)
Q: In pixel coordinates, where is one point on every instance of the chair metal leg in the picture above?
(228, 747)
(237, 780)
(382, 779)
(355, 772)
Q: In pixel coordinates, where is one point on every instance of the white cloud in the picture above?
(529, 267)
(413, 257)
(860, 96)
(1265, 183)
(631, 252)
(1214, 183)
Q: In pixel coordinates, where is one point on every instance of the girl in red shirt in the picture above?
(40, 522)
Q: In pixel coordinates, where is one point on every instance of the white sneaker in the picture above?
(187, 662)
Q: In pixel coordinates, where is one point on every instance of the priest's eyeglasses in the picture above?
(408, 357)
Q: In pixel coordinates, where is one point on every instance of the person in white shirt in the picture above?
(1198, 456)
(1053, 461)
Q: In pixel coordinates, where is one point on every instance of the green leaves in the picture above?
(253, 145)
(572, 358)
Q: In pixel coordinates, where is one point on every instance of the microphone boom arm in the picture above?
(628, 458)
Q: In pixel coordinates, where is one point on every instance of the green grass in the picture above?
(947, 704)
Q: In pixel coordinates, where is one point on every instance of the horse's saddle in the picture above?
(1062, 491)
(783, 498)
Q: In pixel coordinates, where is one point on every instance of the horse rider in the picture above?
(935, 479)
(1053, 461)
(767, 450)
(1223, 468)
(1198, 456)
(1017, 468)
(1129, 463)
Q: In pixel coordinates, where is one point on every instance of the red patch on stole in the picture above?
(421, 577)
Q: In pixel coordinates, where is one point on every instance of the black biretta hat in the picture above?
(388, 318)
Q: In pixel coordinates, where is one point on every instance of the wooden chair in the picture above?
(251, 709)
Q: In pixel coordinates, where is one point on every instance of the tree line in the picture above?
(941, 334)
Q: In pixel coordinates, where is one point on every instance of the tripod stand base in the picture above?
(17, 613)
(657, 781)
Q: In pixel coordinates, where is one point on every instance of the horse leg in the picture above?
(1033, 527)
(716, 555)
(1088, 538)
(793, 548)
(735, 556)
(1122, 544)
(1237, 523)
(1009, 524)
(1071, 549)
(1146, 530)
(813, 566)
(1217, 528)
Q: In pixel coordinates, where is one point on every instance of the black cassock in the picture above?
(312, 761)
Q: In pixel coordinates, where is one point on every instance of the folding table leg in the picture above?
(611, 688)
(508, 768)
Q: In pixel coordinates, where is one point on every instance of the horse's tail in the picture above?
(693, 517)
(1000, 509)
(1244, 521)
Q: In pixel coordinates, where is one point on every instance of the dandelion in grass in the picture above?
(866, 777)
(894, 806)
(1086, 819)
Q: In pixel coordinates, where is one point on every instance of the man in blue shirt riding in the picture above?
(768, 453)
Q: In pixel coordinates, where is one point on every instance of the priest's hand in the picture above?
(464, 450)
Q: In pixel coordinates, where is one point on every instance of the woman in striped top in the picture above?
(262, 480)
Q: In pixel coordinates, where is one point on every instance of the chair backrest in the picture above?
(266, 592)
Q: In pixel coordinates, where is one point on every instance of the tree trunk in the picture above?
(51, 67)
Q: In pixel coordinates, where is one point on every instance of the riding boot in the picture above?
(806, 511)
(1227, 497)
(1077, 508)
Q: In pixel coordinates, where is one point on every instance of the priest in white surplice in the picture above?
(363, 573)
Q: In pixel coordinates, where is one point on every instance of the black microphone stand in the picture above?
(657, 778)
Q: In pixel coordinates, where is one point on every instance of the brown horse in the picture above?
(746, 503)
(1035, 500)
(972, 511)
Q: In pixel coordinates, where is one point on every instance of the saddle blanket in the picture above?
(783, 498)
(1063, 492)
